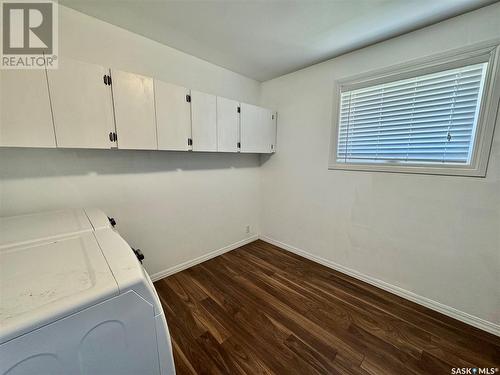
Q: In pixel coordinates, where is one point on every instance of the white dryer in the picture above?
(74, 299)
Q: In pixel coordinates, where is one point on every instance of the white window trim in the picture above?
(484, 52)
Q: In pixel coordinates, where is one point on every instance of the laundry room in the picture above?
(242, 187)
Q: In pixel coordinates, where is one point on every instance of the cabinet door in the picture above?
(273, 131)
(25, 116)
(228, 125)
(173, 116)
(204, 121)
(81, 105)
(258, 132)
(133, 99)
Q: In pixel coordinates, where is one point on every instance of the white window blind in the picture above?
(426, 119)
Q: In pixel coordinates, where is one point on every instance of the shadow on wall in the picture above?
(17, 163)
(264, 158)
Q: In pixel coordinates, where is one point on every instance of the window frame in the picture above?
(486, 52)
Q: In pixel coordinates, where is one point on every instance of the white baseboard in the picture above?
(170, 271)
(439, 307)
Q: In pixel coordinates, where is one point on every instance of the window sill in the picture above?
(461, 171)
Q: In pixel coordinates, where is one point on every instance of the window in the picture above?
(435, 117)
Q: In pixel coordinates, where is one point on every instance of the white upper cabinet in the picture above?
(133, 98)
(84, 105)
(81, 105)
(204, 121)
(25, 116)
(173, 116)
(228, 125)
(258, 129)
(274, 131)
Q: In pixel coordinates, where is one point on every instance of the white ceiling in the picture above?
(266, 39)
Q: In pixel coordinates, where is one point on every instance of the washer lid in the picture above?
(97, 218)
(23, 229)
(45, 281)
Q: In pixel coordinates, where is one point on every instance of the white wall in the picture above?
(435, 236)
(175, 206)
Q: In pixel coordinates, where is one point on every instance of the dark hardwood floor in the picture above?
(262, 310)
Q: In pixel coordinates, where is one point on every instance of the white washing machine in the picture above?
(74, 299)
